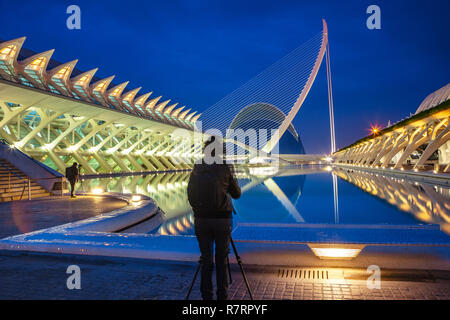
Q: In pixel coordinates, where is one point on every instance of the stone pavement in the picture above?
(24, 216)
(43, 276)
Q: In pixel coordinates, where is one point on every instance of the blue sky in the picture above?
(196, 52)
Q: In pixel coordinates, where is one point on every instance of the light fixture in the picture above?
(136, 197)
(72, 148)
(336, 251)
(97, 191)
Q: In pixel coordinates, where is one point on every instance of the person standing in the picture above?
(210, 189)
(72, 174)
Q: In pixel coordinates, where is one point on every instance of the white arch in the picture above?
(296, 107)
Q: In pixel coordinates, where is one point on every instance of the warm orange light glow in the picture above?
(375, 130)
(37, 63)
(97, 191)
(336, 251)
(7, 52)
(136, 197)
(62, 73)
(83, 80)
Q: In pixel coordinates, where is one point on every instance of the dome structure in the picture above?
(266, 116)
(435, 98)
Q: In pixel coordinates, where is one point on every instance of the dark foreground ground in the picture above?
(43, 276)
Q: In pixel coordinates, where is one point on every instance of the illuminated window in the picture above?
(33, 75)
(113, 99)
(139, 108)
(24, 81)
(52, 89)
(116, 92)
(62, 73)
(83, 80)
(76, 96)
(99, 96)
(128, 105)
(81, 91)
(37, 64)
(60, 84)
(8, 52)
(100, 86)
(4, 67)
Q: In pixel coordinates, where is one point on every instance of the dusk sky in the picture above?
(196, 52)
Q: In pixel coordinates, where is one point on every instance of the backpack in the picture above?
(206, 189)
(70, 174)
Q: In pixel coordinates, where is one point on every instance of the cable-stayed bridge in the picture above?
(58, 114)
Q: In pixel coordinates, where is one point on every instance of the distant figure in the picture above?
(209, 189)
(72, 174)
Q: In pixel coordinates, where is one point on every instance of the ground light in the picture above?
(336, 251)
(97, 191)
(136, 198)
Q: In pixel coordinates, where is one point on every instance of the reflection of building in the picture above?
(169, 190)
(428, 204)
(421, 141)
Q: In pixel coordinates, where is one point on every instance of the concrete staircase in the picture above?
(13, 181)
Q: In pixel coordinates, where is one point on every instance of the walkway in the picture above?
(24, 216)
(43, 276)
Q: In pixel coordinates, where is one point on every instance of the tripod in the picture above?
(239, 261)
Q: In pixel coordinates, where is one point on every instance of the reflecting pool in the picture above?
(299, 195)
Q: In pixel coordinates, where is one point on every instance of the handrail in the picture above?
(27, 181)
(20, 178)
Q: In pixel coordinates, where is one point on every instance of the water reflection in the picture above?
(427, 203)
(271, 195)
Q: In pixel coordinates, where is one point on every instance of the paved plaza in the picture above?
(25, 216)
(43, 276)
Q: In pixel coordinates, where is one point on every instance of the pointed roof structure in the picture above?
(184, 113)
(129, 96)
(84, 79)
(101, 85)
(141, 99)
(177, 112)
(160, 107)
(33, 68)
(170, 108)
(151, 104)
(9, 51)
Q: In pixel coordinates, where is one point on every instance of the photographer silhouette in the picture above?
(210, 189)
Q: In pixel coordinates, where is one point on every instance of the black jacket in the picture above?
(209, 190)
(72, 173)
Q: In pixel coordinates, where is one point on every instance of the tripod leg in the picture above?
(229, 270)
(195, 277)
(238, 258)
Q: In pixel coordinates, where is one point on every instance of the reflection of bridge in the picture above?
(426, 203)
(420, 142)
(169, 190)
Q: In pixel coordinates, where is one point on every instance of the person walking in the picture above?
(72, 174)
(210, 189)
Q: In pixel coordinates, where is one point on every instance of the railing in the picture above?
(27, 182)
(20, 178)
